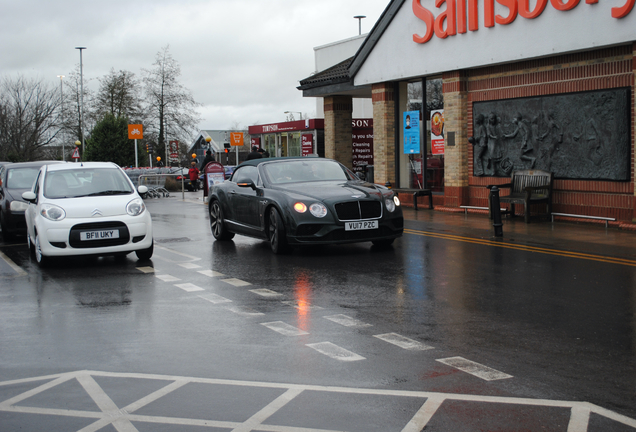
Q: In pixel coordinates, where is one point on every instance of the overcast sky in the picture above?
(242, 59)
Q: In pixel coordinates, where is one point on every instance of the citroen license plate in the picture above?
(362, 225)
(99, 235)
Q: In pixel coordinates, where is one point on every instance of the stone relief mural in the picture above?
(576, 136)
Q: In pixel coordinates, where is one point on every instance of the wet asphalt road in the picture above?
(334, 338)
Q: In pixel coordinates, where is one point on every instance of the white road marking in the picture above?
(301, 305)
(284, 328)
(335, 352)
(347, 321)
(580, 411)
(167, 278)
(189, 287)
(211, 273)
(189, 265)
(424, 414)
(215, 299)
(476, 369)
(146, 269)
(257, 419)
(264, 292)
(193, 258)
(403, 342)
(579, 419)
(13, 265)
(236, 282)
(244, 311)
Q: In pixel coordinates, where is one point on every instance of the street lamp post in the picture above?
(294, 112)
(81, 97)
(359, 18)
(62, 107)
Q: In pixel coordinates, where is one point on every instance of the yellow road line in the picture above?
(591, 257)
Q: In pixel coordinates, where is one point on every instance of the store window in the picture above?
(269, 144)
(293, 144)
(432, 135)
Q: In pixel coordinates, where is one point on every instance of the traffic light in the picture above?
(227, 147)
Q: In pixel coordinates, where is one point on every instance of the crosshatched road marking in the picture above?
(167, 278)
(579, 411)
(301, 305)
(335, 352)
(146, 269)
(189, 287)
(244, 311)
(284, 328)
(403, 342)
(236, 282)
(347, 321)
(215, 299)
(476, 369)
(189, 265)
(264, 292)
(211, 273)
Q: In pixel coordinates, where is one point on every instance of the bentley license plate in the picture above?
(99, 235)
(363, 225)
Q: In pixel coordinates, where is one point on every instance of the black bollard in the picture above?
(496, 211)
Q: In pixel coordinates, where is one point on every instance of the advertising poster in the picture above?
(307, 144)
(411, 132)
(362, 143)
(174, 151)
(437, 132)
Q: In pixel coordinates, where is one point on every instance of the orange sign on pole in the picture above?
(236, 138)
(135, 131)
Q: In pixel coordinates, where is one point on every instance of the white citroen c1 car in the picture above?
(87, 208)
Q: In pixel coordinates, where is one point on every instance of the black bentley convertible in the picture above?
(297, 201)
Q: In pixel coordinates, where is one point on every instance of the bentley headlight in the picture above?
(18, 206)
(319, 210)
(52, 212)
(135, 207)
(390, 205)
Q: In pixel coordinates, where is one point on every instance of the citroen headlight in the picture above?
(18, 206)
(135, 207)
(318, 210)
(52, 212)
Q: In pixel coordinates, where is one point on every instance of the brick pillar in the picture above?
(455, 122)
(634, 128)
(383, 133)
(338, 129)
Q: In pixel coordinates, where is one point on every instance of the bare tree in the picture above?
(171, 107)
(72, 104)
(119, 95)
(29, 118)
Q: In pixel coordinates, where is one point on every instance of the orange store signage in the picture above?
(463, 15)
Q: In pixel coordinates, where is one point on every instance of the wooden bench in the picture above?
(526, 187)
(417, 193)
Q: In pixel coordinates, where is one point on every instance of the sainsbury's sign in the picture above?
(461, 16)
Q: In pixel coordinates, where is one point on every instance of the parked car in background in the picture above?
(16, 178)
(89, 208)
(299, 201)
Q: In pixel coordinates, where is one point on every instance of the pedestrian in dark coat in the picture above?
(209, 157)
(254, 154)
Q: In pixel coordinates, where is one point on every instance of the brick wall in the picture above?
(593, 70)
(384, 148)
(455, 156)
(338, 129)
